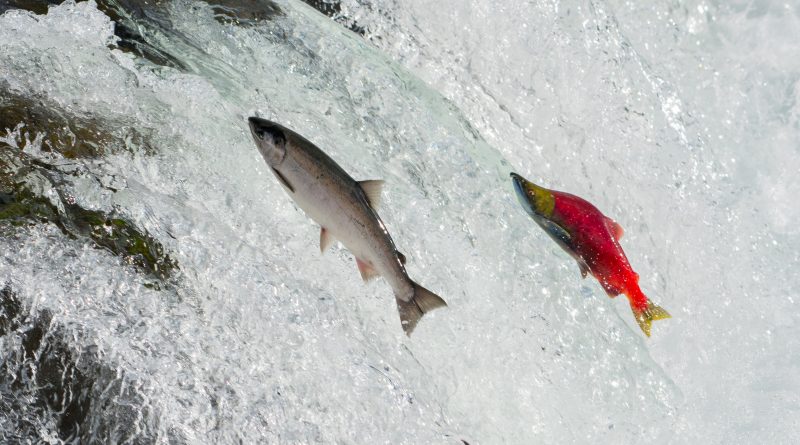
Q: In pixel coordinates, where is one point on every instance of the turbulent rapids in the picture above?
(158, 286)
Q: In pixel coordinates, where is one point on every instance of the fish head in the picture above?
(539, 202)
(270, 138)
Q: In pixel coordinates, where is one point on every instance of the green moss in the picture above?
(121, 237)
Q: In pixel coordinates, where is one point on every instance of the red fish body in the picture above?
(592, 239)
(596, 243)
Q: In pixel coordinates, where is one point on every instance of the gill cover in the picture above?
(270, 139)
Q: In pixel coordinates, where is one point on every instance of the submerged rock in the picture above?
(50, 386)
(73, 136)
(333, 9)
(244, 12)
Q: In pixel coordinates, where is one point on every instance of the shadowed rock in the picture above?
(244, 12)
(333, 9)
(34, 6)
(49, 386)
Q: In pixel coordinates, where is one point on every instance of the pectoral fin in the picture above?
(584, 267)
(558, 233)
(372, 188)
(325, 239)
(283, 180)
(366, 269)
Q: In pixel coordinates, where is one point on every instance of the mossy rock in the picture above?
(73, 137)
(122, 238)
(19, 205)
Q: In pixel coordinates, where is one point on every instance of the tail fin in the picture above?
(420, 304)
(646, 317)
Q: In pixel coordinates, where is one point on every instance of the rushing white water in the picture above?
(680, 120)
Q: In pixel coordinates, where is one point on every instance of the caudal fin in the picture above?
(646, 317)
(412, 311)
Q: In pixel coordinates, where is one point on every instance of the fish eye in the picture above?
(271, 134)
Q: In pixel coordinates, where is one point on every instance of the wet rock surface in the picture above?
(333, 9)
(31, 186)
(50, 387)
(244, 12)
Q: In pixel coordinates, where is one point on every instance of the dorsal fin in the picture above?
(401, 257)
(372, 188)
(615, 228)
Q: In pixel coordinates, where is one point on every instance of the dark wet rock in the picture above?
(333, 9)
(244, 12)
(34, 6)
(141, 25)
(121, 237)
(52, 387)
(71, 135)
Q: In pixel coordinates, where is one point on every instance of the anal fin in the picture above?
(610, 289)
(367, 271)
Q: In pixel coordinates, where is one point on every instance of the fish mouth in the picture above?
(256, 124)
(519, 185)
(522, 195)
(537, 201)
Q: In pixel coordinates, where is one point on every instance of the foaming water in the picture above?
(679, 120)
(259, 338)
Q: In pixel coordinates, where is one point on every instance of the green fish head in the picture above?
(537, 201)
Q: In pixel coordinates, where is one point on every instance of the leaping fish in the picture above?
(346, 211)
(592, 239)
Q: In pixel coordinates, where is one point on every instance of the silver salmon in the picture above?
(346, 211)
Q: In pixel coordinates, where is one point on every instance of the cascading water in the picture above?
(158, 286)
